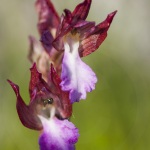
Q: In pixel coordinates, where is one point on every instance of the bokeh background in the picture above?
(116, 116)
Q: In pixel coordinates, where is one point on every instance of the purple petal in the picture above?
(53, 55)
(26, 114)
(58, 134)
(77, 77)
(46, 40)
(48, 17)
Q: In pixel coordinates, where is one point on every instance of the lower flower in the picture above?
(57, 134)
(48, 112)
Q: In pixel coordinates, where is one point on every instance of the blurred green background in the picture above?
(116, 116)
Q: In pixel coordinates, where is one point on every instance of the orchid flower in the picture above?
(48, 111)
(75, 38)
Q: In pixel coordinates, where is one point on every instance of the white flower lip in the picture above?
(57, 134)
(77, 77)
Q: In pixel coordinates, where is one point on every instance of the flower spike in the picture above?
(59, 77)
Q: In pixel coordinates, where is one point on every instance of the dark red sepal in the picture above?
(96, 37)
(48, 17)
(65, 108)
(69, 21)
(81, 11)
(37, 83)
(26, 114)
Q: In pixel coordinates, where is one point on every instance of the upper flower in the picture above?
(91, 36)
(68, 38)
(77, 77)
(77, 37)
(42, 98)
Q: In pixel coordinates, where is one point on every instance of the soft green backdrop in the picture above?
(116, 116)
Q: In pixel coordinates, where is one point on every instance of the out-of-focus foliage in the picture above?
(116, 116)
